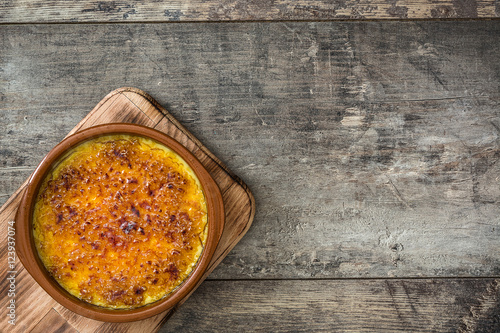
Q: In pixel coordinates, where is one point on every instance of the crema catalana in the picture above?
(120, 221)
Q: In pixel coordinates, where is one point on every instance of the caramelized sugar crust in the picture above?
(120, 222)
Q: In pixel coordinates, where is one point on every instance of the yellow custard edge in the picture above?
(120, 222)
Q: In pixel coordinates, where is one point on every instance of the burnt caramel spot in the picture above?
(111, 223)
(139, 290)
(173, 271)
(117, 294)
(127, 227)
(135, 211)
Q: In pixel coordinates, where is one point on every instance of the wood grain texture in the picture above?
(425, 305)
(133, 106)
(372, 148)
(53, 322)
(35, 11)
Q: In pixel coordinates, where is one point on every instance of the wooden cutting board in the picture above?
(35, 310)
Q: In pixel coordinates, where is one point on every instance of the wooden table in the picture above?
(368, 132)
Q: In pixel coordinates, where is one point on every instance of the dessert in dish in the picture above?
(120, 221)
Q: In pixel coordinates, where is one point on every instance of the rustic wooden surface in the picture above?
(371, 148)
(22, 11)
(127, 105)
(454, 305)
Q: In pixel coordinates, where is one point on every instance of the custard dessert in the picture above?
(120, 221)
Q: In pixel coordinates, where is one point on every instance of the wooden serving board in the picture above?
(35, 310)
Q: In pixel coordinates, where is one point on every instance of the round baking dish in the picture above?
(29, 256)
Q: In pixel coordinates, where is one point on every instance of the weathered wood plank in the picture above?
(23, 11)
(372, 148)
(452, 305)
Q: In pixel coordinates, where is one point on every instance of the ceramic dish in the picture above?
(25, 239)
